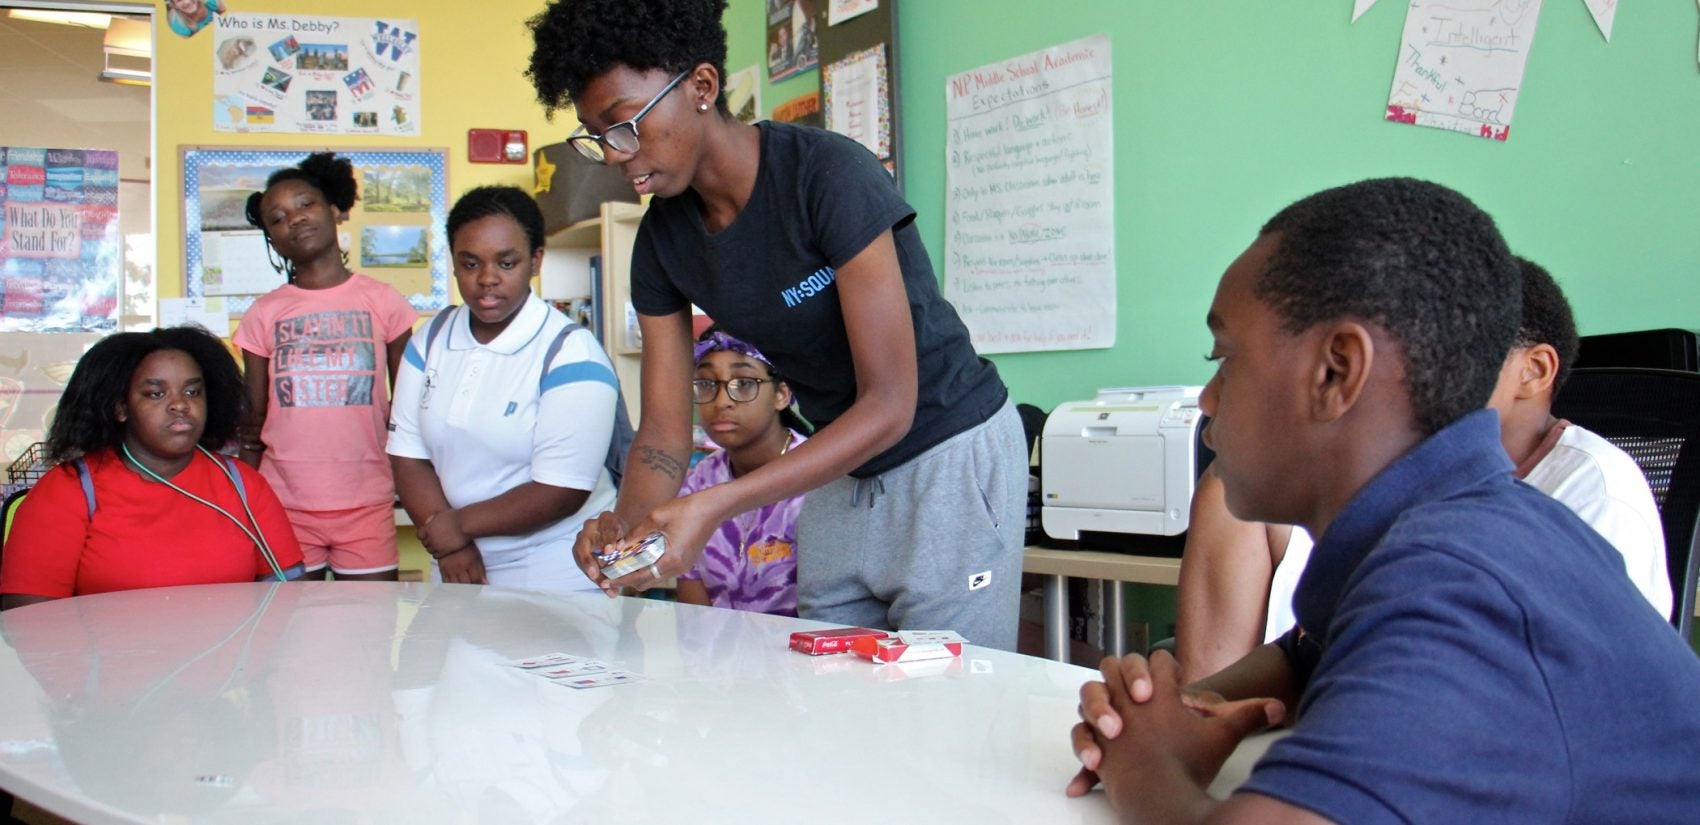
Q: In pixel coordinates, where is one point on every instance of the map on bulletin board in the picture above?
(394, 233)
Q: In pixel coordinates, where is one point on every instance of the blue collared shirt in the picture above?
(1482, 657)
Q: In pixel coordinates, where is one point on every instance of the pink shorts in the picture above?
(352, 542)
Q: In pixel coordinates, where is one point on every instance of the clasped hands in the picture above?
(1143, 732)
(458, 559)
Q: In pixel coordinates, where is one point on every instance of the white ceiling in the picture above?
(50, 94)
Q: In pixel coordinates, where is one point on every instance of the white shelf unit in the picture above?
(609, 235)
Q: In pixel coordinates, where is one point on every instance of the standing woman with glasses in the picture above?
(503, 413)
(750, 562)
(796, 241)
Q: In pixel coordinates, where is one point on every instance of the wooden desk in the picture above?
(1058, 565)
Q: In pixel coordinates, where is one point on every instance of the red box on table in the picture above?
(836, 640)
(897, 650)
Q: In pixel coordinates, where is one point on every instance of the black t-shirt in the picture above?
(769, 278)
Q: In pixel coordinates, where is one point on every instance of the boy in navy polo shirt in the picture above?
(1468, 650)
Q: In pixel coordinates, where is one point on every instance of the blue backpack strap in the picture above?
(554, 350)
(435, 327)
(236, 478)
(621, 442)
(87, 481)
(294, 571)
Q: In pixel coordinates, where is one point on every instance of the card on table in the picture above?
(929, 637)
(545, 660)
(596, 680)
(572, 669)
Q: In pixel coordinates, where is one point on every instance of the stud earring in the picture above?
(702, 107)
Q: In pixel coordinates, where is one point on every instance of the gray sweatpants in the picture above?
(934, 544)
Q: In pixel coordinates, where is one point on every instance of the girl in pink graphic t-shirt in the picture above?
(320, 355)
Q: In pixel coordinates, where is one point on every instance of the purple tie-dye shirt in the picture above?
(750, 563)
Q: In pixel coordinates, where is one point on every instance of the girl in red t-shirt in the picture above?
(139, 498)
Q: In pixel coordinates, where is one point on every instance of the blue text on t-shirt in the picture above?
(809, 287)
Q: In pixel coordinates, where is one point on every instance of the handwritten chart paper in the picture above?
(315, 75)
(1461, 64)
(1029, 175)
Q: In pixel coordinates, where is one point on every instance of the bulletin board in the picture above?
(395, 233)
(859, 79)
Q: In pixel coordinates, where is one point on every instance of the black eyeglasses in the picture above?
(622, 136)
(741, 390)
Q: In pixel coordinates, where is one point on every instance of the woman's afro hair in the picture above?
(578, 40)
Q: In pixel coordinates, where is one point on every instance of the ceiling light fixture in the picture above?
(129, 52)
(127, 77)
(87, 20)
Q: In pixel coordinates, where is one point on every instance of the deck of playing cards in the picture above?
(910, 646)
(631, 559)
(836, 640)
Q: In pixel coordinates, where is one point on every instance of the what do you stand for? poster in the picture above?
(60, 250)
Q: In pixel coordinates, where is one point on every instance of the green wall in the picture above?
(1226, 111)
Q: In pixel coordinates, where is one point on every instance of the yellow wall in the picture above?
(471, 75)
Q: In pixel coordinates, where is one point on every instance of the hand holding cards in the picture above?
(634, 557)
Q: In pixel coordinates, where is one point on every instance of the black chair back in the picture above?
(1654, 416)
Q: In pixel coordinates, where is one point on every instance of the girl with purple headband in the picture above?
(750, 562)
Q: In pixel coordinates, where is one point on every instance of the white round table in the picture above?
(353, 702)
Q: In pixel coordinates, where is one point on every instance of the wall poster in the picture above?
(838, 11)
(792, 45)
(803, 110)
(1461, 64)
(1029, 200)
(60, 249)
(315, 75)
(743, 94)
(857, 99)
(394, 233)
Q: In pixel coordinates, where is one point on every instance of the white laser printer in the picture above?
(1124, 462)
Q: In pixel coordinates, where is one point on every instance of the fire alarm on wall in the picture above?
(496, 146)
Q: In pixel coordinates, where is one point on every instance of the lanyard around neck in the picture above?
(254, 535)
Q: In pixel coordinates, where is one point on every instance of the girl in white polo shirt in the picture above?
(499, 457)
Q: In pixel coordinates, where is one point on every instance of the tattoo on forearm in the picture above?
(660, 461)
